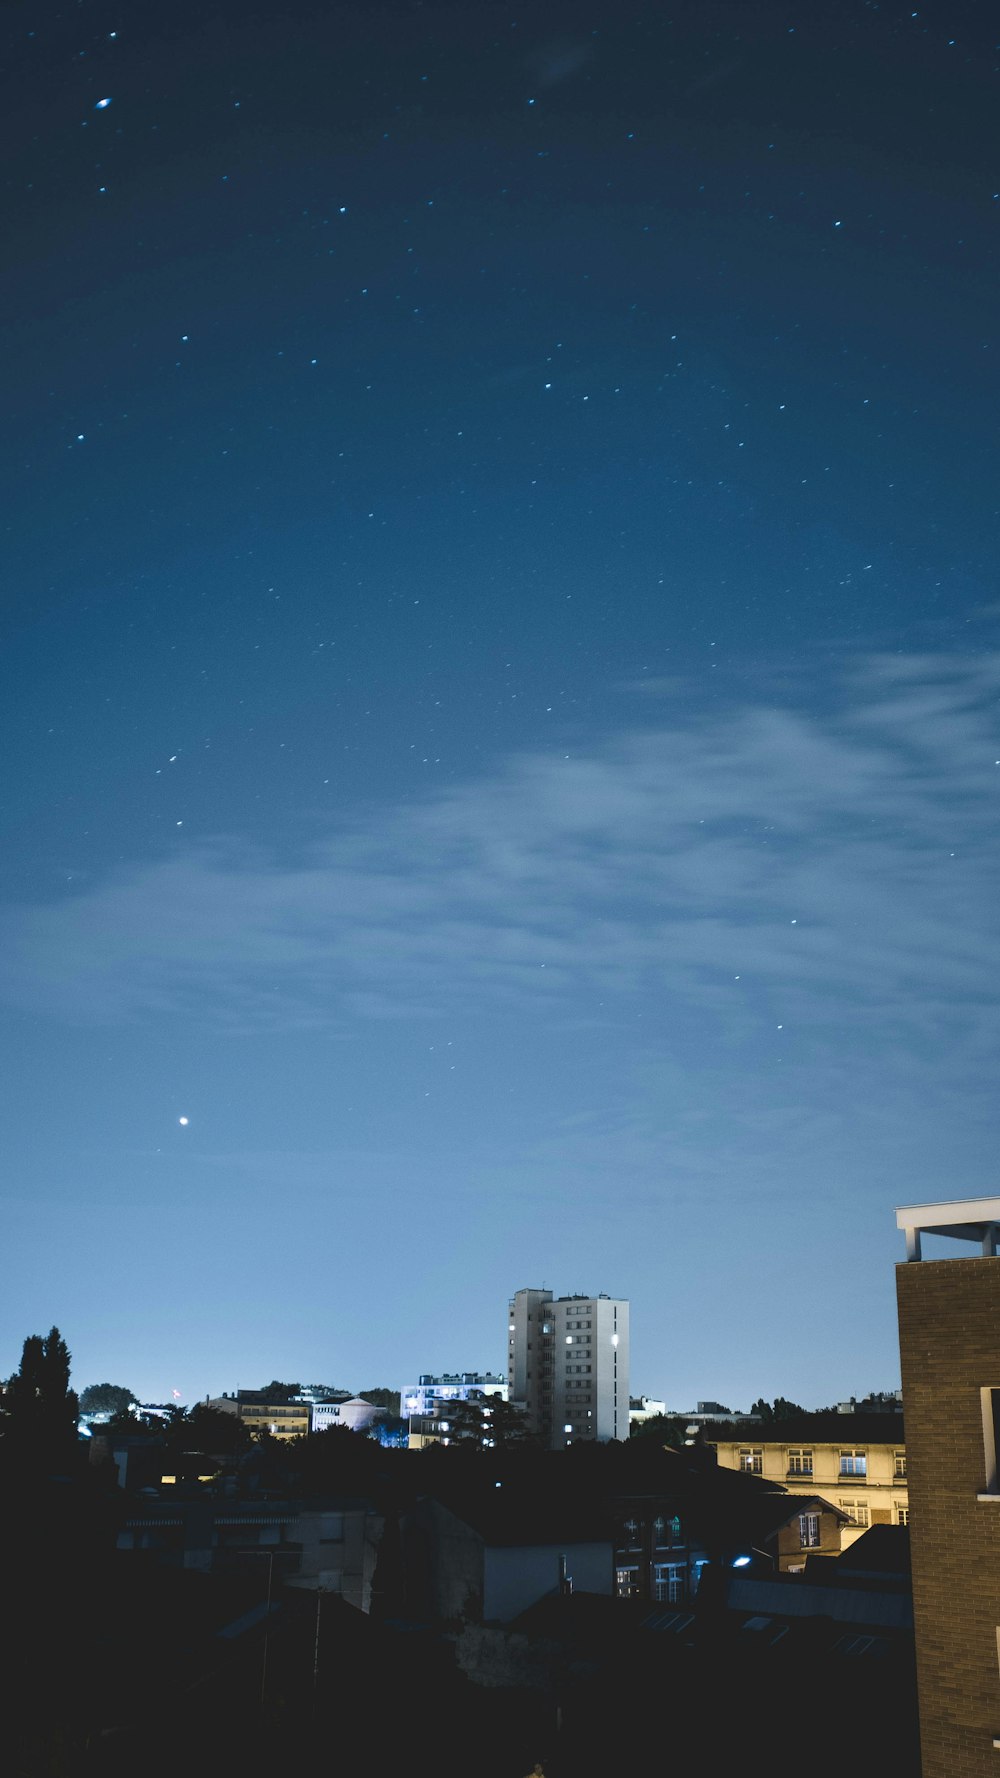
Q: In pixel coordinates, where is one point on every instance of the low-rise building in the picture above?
(356, 1414)
(330, 1545)
(857, 1462)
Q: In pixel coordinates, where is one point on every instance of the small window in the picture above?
(800, 1463)
(854, 1463)
(752, 1462)
(899, 1463)
(809, 1531)
(902, 1515)
(627, 1583)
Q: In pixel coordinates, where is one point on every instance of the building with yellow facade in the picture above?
(855, 1461)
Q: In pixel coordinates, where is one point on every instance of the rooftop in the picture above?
(964, 1219)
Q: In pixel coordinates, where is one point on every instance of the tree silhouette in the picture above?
(42, 1409)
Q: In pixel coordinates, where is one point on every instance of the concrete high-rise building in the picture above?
(567, 1362)
(949, 1345)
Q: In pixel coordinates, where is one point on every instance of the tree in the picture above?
(106, 1398)
(779, 1409)
(486, 1421)
(207, 1431)
(383, 1398)
(42, 1410)
(663, 1429)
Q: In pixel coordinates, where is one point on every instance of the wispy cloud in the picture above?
(849, 856)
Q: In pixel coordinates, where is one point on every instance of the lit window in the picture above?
(627, 1583)
(857, 1511)
(854, 1462)
(752, 1461)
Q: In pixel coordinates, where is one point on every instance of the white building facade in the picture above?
(568, 1363)
(420, 1400)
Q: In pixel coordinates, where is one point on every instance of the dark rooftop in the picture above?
(807, 1429)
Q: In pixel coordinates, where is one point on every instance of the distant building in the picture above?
(949, 1347)
(425, 1397)
(708, 1412)
(264, 1413)
(856, 1462)
(355, 1413)
(888, 1403)
(644, 1407)
(424, 1405)
(567, 1363)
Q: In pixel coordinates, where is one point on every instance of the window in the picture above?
(751, 1461)
(809, 1531)
(800, 1463)
(857, 1511)
(627, 1583)
(854, 1462)
(991, 1438)
(902, 1515)
(899, 1463)
(668, 1583)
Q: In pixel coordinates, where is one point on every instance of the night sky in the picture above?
(500, 679)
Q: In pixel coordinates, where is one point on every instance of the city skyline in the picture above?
(501, 669)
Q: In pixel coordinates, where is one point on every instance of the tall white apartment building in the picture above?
(567, 1362)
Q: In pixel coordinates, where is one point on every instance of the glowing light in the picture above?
(102, 104)
(741, 1562)
(184, 1121)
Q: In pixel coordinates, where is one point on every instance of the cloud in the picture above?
(841, 862)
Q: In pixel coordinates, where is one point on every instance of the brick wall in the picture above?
(949, 1338)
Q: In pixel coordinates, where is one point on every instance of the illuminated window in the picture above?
(857, 1511)
(854, 1462)
(800, 1463)
(627, 1583)
(809, 1531)
(752, 1461)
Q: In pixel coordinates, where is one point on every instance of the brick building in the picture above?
(949, 1342)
